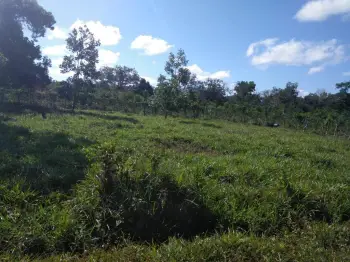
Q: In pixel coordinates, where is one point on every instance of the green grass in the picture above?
(105, 186)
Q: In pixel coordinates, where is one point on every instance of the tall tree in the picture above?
(25, 65)
(169, 88)
(82, 61)
(176, 69)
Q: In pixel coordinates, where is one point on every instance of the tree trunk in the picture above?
(144, 109)
(74, 102)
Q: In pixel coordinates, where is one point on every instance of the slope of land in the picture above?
(110, 187)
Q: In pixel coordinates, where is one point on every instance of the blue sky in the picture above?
(270, 42)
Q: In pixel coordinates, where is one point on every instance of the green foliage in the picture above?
(98, 186)
(244, 89)
(82, 62)
(220, 191)
(168, 92)
(120, 77)
(25, 65)
(344, 86)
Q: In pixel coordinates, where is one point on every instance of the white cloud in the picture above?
(57, 33)
(107, 34)
(56, 62)
(150, 45)
(55, 50)
(107, 58)
(195, 69)
(55, 71)
(56, 74)
(295, 53)
(302, 92)
(320, 10)
(201, 75)
(151, 80)
(346, 73)
(220, 74)
(316, 69)
(267, 42)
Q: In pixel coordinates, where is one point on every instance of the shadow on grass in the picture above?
(203, 124)
(150, 207)
(15, 108)
(44, 161)
(105, 116)
(211, 125)
(165, 211)
(187, 122)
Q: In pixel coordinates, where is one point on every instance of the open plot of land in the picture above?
(149, 188)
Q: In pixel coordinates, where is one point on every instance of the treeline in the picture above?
(24, 80)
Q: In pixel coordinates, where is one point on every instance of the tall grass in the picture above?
(113, 187)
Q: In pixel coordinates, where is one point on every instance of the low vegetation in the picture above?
(94, 185)
(106, 167)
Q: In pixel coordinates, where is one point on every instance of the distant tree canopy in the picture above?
(25, 65)
(177, 92)
(144, 88)
(343, 87)
(123, 77)
(244, 89)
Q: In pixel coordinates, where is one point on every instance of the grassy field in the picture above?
(96, 186)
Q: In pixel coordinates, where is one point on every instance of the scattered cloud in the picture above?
(55, 71)
(267, 42)
(320, 10)
(346, 73)
(202, 75)
(107, 58)
(316, 69)
(302, 92)
(55, 50)
(56, 62)
(107, 34)
(57, 33)
(150, 45)
(220, 74)
(56, 53)
(295, 53)
(151, 80)
(195, 69)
